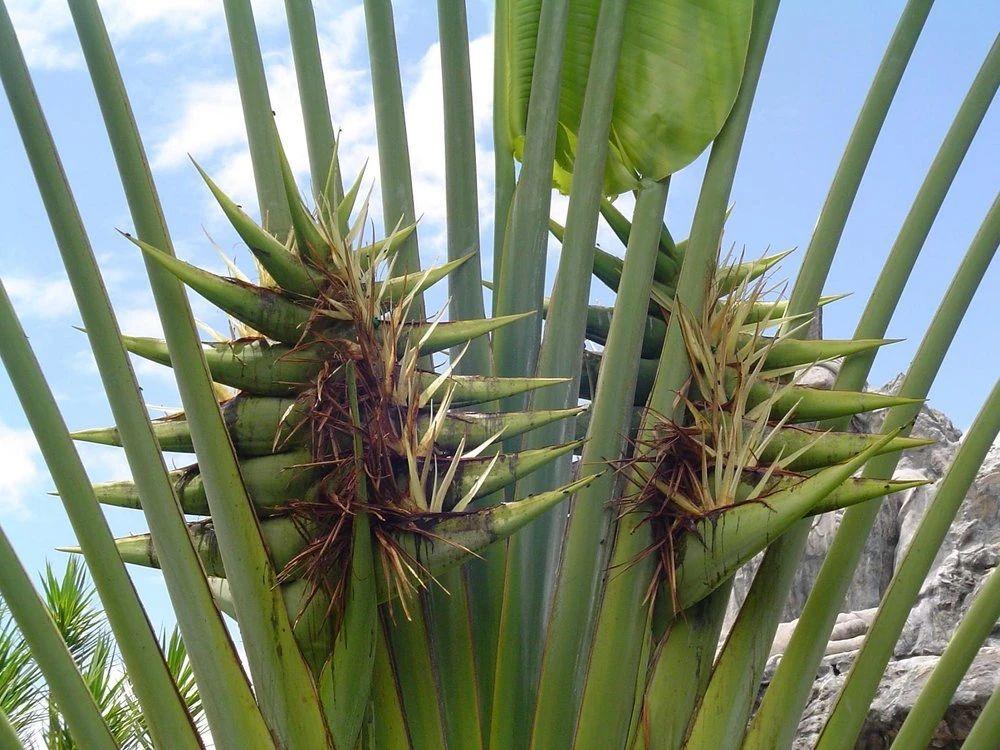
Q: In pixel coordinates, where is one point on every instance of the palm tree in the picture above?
(26, 698)
(421, 554)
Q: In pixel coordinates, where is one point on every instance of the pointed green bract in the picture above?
(475, 428)
(399, 287)
(262, 309)
(271, 481)
(274, 481)
(806, 404)
(265, 368)
(859, 490)
(454, 537)
(444, 542)
(257, 366)
(817, 448)
(287, 269)
(390, 244)
(482, 477)
(260, 425)
(721, 545)
(734, 276)
(436, 337)
(762, 312)
(309, 240)
(268, 369)
(479, 389)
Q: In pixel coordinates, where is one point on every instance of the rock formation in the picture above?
(970, 551)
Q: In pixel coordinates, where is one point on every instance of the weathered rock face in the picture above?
(902, 683)
(970, 552)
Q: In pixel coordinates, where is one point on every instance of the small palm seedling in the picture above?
(27, 703)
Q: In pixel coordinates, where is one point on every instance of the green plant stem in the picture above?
(519, 288)
(622, 617)
(577, 586)
(681, 671)
(284, 687)
(503, 156)
(162, 706)
(233, 711)
(978, 622)
(484, 581)
(844, 188)
(262, 134)
(448, 610)
(927, 203)
(465, 286)
(387, 727)
(321, 141)
(450, 625)
(62, 675)
(522, 275)
(533, 555)
(8, 737)
(808, 643)
(390, 127)
(985, 733)
(410, 651)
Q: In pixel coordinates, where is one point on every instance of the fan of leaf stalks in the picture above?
(421, 555)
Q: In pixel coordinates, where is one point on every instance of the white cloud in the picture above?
(210, 126)
(40, 25)
(45, 27)
(425, 131)
(19, 468)
(40, 298)
(178, 16)
(104, 463)
(140, 321)
(209, 111)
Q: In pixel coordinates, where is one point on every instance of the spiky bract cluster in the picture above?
(735, 464)
(408, 458)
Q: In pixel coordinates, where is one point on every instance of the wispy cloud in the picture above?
(44, 298)
(44, 27)
(19, 469)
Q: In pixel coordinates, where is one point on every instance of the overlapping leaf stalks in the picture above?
(741, 465)
(323, 309)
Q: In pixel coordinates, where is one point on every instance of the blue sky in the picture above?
(177, 66)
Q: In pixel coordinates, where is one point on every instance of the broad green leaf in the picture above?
(679, 72)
